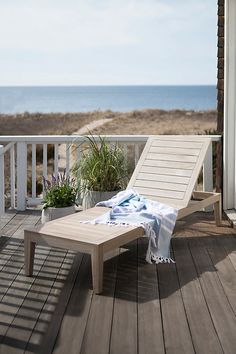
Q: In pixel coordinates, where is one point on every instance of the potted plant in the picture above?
(60, 196)
(102, 170)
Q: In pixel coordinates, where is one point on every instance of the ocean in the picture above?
(116, 98)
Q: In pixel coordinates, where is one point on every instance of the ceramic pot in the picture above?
(91, 198)
(55, 213)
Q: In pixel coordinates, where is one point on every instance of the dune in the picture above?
(149, 121)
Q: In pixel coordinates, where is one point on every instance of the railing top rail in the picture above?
(80, 138)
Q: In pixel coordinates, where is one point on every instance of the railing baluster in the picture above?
(12, 176)
(33, 171)
(78, 157)
(45, 163)
(78, 149)
(136, 154)
(45, 160)
(21, 175)
(2, 182)
(77, 160)
(56, 159)
(125, 149)
(68, 153)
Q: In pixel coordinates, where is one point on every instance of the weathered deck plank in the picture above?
(101, 312)
(150, 329)
(59, 292)
(124, 324)
(11, 260)
(185, 307)
(225, 269)
(47, 327)
(15, 296)
(222, 314)
(177, 336)
(204, 336)
(75, 318)
(31, 307)
(229, 244)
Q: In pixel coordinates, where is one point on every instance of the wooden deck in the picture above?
(187, 307)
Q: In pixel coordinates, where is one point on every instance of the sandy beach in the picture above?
(149, 121)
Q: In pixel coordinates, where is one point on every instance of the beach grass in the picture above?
(149, 121)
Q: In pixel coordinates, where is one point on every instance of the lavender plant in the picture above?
(60, 191)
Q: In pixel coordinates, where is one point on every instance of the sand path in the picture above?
(86, 129)
(93, 125)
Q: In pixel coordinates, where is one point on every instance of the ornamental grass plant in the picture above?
(102, 167)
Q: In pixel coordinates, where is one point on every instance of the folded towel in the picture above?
(157, 219)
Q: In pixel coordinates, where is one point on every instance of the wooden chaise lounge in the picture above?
(167, 171)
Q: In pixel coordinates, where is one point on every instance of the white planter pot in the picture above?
(91, 198)
(55, 213)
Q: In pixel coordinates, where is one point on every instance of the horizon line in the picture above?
(103, 85)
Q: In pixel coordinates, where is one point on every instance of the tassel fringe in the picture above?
(150, 233)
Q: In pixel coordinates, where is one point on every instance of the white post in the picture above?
(21, 175)
(208, 173)
(2, 182)
(229, 168)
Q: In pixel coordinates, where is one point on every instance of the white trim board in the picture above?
(229, 165)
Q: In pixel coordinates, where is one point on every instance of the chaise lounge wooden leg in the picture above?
(97, 269)
(29, 255)
(218, 212)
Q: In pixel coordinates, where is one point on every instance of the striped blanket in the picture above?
(157, 219)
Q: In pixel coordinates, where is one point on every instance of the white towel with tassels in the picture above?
(157, 219)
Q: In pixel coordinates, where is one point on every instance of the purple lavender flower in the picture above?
(54, 179)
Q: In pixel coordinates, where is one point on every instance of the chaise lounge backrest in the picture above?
(169, 167)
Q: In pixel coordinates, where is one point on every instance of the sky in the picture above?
(108, 42)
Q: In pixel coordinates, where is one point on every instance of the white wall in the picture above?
(229, 201)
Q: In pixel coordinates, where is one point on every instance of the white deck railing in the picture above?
(21, 153)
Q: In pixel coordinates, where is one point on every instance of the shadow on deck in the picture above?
(186, 307)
